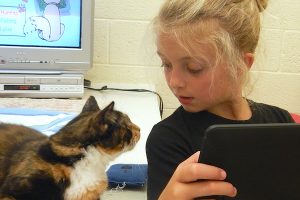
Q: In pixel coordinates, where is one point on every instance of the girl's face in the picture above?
(192, 76)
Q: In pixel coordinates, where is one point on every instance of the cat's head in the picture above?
(108, 130)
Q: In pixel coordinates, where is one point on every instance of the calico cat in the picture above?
(69, 165)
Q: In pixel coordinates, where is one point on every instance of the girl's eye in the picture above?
(194, 71)
(194, 68)
(166, 66)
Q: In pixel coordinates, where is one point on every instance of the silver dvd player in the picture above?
(52, 85)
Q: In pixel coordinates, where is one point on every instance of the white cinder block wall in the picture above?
(124, 51)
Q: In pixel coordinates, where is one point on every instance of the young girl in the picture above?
(207, 48)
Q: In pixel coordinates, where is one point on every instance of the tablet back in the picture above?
(261, 160)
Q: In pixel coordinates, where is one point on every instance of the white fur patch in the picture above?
(88, 172)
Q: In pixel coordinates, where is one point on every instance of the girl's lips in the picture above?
(185, 100)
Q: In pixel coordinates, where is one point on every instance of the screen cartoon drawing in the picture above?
(39, 22)
(48, 26)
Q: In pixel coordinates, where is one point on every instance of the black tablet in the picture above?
(261, 160)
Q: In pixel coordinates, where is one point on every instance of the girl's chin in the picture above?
(191, 108)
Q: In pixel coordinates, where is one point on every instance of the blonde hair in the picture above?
(231, 27)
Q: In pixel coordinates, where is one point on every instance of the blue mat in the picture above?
(47, 122)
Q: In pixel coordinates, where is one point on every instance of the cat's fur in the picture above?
(68, 165)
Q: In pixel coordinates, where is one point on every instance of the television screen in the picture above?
(40, 23)
(46, 35)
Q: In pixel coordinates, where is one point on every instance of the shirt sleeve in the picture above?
(165, 150)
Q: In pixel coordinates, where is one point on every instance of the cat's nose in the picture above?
(137, 128)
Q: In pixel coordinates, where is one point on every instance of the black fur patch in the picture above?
(38, 187)
(48, 155)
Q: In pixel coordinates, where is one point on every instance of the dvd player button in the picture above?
(32, 80)
(12, 80)
(2, 61)
(59, 81)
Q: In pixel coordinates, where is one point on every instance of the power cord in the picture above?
(161, 104)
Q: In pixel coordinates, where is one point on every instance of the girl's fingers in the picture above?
(190, 170)
(208, 188)
(192, 159)
(192, 179)
(197, 171)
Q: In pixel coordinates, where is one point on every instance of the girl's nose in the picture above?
(176, 79)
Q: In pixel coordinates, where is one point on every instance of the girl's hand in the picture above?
(192, 179)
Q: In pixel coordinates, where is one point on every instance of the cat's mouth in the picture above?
(135, 135)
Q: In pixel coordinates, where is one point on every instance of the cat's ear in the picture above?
(90, 105)
(102, 115)
(110, 107)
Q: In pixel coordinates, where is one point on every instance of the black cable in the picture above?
(161, 104)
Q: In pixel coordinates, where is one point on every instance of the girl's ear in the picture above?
(90, 105)
(249, 59)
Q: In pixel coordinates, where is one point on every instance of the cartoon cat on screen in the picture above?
(48, 26)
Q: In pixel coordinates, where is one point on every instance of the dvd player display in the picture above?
(42, 86)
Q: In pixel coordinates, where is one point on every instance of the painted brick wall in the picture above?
(124, 51)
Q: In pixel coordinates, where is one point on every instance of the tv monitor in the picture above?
(45, 36)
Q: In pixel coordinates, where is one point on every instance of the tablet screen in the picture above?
(261, 160)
